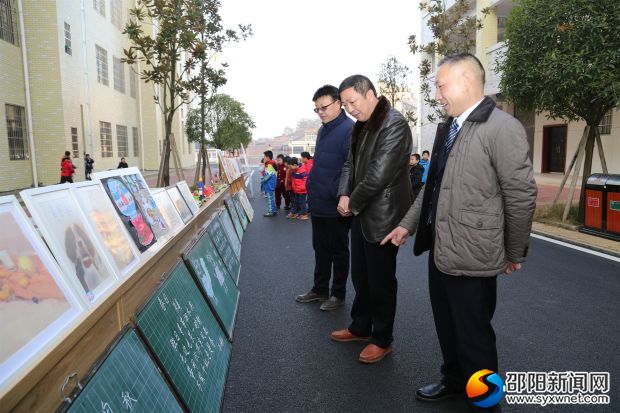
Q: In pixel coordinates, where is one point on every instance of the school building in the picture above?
(63, 87)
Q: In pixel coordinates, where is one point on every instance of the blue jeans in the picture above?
(271, 202)
(299, 204)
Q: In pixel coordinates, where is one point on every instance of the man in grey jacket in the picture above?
(375, 189)
(475, 219)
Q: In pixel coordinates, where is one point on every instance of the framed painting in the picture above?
(75, 246)
(168, 210)
(187, 196)
(36, 303)
(245, 203)
(104, 221)
(179, 203)
(129, 212)
(141, 193)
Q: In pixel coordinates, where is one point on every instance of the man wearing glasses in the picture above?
(330, 231)
(375, 189)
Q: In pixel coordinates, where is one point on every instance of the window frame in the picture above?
(105, 139)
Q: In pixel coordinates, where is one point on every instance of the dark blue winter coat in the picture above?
(330, 154)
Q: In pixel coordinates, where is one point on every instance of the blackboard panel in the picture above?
(229, 226)
(126, 379)
(212, 276)
(240, 211)
(222, 243)
(187, 340)
(235, 217)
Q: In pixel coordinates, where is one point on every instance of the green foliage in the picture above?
(172, 38)
(227, 123)
(393, 79)
(454, 30)
(563, 57)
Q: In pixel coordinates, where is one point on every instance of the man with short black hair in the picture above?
(375, 189)
(330, 231)
(475, 219)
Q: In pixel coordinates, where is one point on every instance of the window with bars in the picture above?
(132, 81)
(121, 140)
(68, 38)
(119, 74)
(8, 22)
(116, 13)
(102, 65)
(99, 6)
(136, 143)
(75, 146)
(105, 133)
(16, 132)
(604, 128)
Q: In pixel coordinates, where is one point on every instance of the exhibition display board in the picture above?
(111, 241)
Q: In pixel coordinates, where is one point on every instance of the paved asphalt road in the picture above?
(559, 314)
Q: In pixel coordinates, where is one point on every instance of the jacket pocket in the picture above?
(479, 220)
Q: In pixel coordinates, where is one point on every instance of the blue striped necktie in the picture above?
(454, 130)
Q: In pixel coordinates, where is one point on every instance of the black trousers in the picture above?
(330, 240)
(463, 308)
(373, 272)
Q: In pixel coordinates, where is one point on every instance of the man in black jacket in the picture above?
(375, 189)
(330, 231)
(416, 172)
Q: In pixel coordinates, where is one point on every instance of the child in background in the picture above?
(268, 184)
(300, 193)
(281, 191)
(288, 184)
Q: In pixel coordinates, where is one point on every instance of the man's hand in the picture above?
(343, 206)
(512, 267)
(398, 236)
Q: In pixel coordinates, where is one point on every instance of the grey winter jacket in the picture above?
(487, 197)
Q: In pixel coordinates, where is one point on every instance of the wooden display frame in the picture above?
(39, 389)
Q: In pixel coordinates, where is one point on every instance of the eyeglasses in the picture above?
(323, 108)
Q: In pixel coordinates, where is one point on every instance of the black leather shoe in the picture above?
(436, 392)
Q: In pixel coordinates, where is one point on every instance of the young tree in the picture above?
(454, 30)
(170, 37)
(393, 79)
(571, 73)
(227, 123)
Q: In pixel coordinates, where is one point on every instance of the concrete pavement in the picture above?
(558, 314)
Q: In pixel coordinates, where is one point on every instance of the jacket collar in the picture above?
(482, 111)
(376, 118)
(331, 125)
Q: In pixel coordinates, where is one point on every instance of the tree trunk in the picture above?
(163, 177)
(587, 170)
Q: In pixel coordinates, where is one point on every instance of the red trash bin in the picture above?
(613, 205)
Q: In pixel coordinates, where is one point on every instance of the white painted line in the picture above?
(576, 247)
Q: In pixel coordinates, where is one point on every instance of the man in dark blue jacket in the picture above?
(330, 231)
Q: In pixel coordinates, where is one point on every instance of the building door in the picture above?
(554, 148)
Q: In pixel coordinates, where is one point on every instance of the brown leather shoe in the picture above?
(373, 353)
(346, 335)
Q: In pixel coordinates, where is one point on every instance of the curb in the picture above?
(577, 243)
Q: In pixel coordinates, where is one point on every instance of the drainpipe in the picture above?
(22, 32)
(89, 121)
(139, 86)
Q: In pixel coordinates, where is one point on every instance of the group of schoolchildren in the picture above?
(286, 178)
